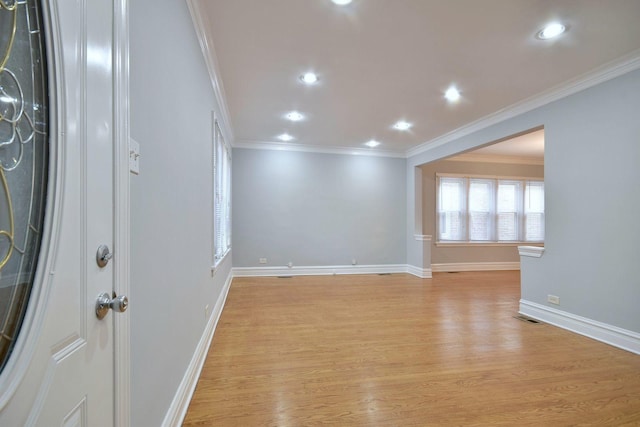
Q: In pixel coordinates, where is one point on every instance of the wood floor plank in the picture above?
(395, 350)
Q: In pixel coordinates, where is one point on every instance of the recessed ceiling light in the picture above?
(341, 2)
(294, 116)
(373, 143)
(550, 31)
(452, 94)
(402, 125)
(285, 137)
(309, 78)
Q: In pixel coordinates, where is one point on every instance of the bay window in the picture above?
(489, 209)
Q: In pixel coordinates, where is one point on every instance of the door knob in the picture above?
(105, 302)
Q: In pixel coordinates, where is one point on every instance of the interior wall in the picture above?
(462, 254)
(315, 209)
(171, 204)
(591, 199)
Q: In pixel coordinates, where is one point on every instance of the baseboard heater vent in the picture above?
(525, 319)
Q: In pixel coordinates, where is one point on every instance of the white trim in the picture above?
(331, 270)
(122, 212)
(208, 52)
(477, 244)
(492, 158)
(423, 273)
(494, 177)
(475, 266)
(617, 337)
(322, 270)
(531, 251)
(180, 404)
(601, 74)
(422, 237)
(269, 145)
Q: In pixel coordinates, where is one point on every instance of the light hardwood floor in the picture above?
(396, 350)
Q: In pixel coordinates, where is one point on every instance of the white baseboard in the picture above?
(474, 266)
(423, 273)
(617, 337)
(318, 270)
(178, 409)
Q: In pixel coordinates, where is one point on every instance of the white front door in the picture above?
(61, 372)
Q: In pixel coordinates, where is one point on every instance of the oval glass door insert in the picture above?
(24, 147)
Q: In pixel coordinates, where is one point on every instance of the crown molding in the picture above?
(201, 24)
(492, 158)
(609, 71)
(282, 146)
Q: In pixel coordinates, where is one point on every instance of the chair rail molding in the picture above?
(531, 251)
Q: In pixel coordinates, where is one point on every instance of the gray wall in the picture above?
(317, 209)
(593, 205)
(448, 254)
(592, 150)
(171, 204)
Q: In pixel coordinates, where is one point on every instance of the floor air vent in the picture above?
(285, 277)
(525, 319)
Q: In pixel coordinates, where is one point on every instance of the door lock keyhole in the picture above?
(103, 256)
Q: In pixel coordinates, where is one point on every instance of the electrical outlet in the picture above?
(553, 299)
(206, 311)
(263, 260)
(354, 261)
(290, 265)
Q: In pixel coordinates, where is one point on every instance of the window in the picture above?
(221, 195)
(481, 209)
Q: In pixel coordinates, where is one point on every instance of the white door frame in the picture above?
(122, 224)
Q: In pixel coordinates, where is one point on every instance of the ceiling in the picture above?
(380, 61)
(527, 148)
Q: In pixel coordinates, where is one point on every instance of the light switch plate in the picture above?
(134, 156)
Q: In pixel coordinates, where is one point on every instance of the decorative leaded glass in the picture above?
(23, 160)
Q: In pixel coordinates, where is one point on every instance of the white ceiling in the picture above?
(527, 148)
(380, 61)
